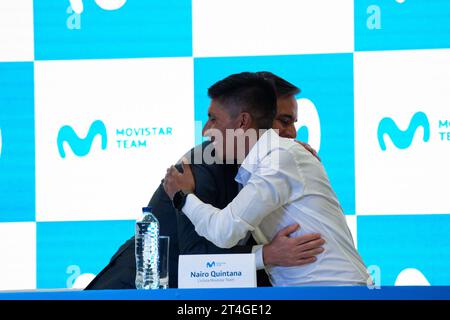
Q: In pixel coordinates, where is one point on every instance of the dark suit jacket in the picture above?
(214, 185)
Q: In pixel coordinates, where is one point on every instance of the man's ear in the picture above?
(245, 121)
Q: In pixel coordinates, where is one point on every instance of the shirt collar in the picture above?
(265, 145)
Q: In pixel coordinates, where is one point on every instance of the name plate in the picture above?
(217, 271)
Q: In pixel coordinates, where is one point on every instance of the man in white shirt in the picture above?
(282, 184)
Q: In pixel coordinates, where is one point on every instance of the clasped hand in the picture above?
(175, 180)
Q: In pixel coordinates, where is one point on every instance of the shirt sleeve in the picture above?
(269, 187)
(258, 251)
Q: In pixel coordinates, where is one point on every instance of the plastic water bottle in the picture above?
(147, 251)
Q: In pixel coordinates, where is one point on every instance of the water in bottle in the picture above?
(147, 251)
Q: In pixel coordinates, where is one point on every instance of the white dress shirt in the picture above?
(284, 184)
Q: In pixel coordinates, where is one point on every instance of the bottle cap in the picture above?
(146, 209)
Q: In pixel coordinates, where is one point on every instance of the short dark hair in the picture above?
(247, 92)
(283, 87)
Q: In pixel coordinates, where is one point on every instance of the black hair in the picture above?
(283, 87)
(247, 92)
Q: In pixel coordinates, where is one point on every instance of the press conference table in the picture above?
(279, 293)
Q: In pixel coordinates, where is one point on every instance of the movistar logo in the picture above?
(308, 125)
(212, 264)
(79, 146)
(411, 277)
(403, 139)
(76, 279)
(78, 7)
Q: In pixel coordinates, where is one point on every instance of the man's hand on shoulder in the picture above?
(287, 252)
(309, 148)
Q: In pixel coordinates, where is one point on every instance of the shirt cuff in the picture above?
(258, 251)
(190, 204)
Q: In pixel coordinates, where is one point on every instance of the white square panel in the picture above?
(106, 130)
(269, 27)
(16, 30)
(402, 101)
(18, 256)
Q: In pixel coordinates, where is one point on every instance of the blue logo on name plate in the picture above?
(17, 166)
(401, 24)
(407, 249)
(68, 250)
(325, 114)
(214, 264)
(86, 29)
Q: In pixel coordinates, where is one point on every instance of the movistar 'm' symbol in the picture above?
(79, 146)
(77, 5)
(308, 125)
(210, 264)
(403, 139)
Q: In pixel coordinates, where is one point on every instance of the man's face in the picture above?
(219, 120)
(286, 117)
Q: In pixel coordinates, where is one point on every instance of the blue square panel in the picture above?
(17, 156)
(325, 114)
(68, 250)
(112, 29)
(401, 24)
(406, 249)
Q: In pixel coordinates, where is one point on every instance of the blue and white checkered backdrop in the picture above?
(98, 97)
